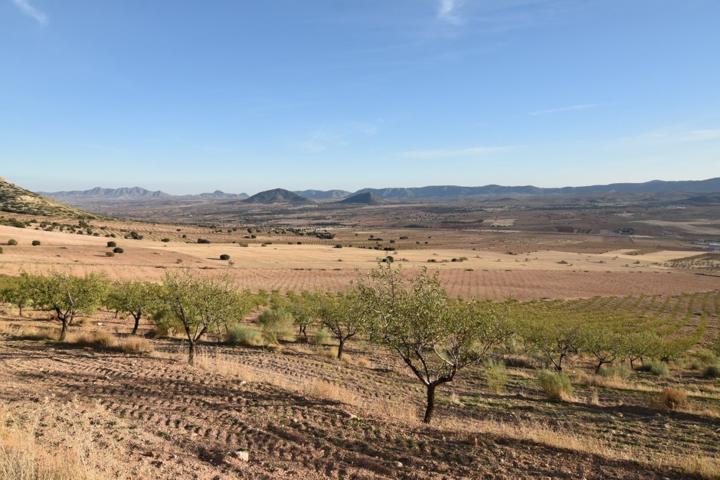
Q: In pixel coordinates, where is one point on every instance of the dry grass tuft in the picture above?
(673, 399)
(22, 458)
(27, 332)
(105, 341)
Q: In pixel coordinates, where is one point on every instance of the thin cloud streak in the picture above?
(569, 108)
(31, 11)
(454, 152)
(684, 136)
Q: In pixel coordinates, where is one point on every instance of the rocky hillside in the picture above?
(15, 199)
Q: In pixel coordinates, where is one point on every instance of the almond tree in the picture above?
(435, 336)
(344, 316)
(18, 293)
(67, 296)
(133, 298)
(200, 305)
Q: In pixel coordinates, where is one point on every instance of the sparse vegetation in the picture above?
(556, 385)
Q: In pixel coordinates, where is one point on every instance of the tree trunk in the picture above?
(430, 407)
(303, 333)
(20, 309)
(137, 324)
(191, 353)
(63, 330)
(341, 347)
(598, 366)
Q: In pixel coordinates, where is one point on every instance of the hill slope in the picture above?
(15, 199)
(364, 198)
(324, 194)
(277, 195)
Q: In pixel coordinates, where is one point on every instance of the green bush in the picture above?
(496, 375)
(12, 241)
(118, 250)
(111, 244)
(277, 325)
(712, 371)
(657, 368)
(109, 254)
(224, 256)
(320, 338)
(35, 243)
(556, 385)
(244, 335)
(621, 371)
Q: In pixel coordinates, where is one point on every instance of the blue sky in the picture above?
(190, 96)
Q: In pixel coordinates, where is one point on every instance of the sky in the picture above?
(245, 95)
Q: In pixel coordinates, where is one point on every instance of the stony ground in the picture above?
(155, 417)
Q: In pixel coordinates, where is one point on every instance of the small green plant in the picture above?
(111, 244)
(496, 375)
(118, 250)
(657, 368)
(12, 242)
(35, 243)
(555, 385)
(244, 335)
(277, 325)
(109, 254)
(320, 338)
(712, 371)
(165, 240)
(224, 256)
(621, 371)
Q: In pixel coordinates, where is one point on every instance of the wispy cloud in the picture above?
(323, 139)
(31, 11)
(436, 154)
(682, 136)
(448, 11)
(568, 108)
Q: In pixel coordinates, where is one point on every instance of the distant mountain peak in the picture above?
(277, 195)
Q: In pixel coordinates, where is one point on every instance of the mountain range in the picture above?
(438, 192)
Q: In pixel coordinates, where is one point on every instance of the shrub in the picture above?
(657, 368)
(118, 250)
(96, 340)
(277, 325)
(12, 241)
(1, 250)
(712, 371)
(556, 385)
(35, 243)
(496, 375)
(109, 254)
(224, 256)
(320, 338)
(203, 240)
(165, 240)
(673, 399)
(244, 335)
(620, 371)
(134, 345)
